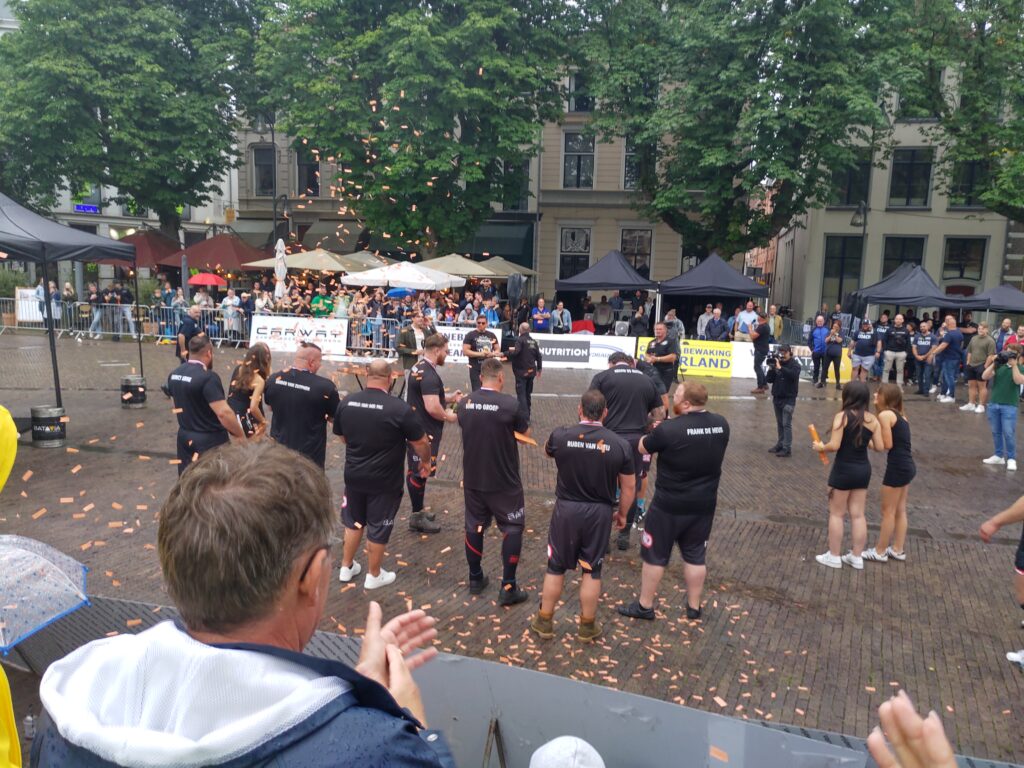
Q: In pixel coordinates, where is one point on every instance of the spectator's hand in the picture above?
(619, 518)
(818, 446)
(425, 470)
(916, 742)
(987, 530)
(408, 631)
(401, 685)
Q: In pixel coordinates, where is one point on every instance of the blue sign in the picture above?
(81, 208)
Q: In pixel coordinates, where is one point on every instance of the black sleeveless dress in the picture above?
(239, 398)
(851, 469)
(900, 468)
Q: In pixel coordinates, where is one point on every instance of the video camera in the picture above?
(1005, 357)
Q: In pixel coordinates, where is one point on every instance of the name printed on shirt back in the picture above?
(371, 406)
(292, 384)
(179, 377)
(705, 431)
(602, 447)
(480, 407)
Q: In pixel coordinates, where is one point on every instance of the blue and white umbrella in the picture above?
(38, 585)
(400, 293)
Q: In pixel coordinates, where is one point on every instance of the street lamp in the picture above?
(860, 218)
(285, 211)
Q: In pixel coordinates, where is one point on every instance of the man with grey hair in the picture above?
(375, 427)
(302, 403)
(527, 362)
(228, 683)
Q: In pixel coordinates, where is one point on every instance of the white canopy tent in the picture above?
(405, 275)
(454, 264)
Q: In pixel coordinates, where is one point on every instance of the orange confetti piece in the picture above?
(76, 469)
(800, 711)
(143, 458)
(87, 545)
(72, 450)
(67, 499)
(115, 505)
(720, 701)
(869, 688)
(719, 754)
(88, 507)
(27, 476)
(39, 514)
(133, 622)
(115, 524)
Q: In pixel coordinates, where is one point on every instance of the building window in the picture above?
(850, 184)
(631, 166)
(636, 247)
(185, 212)
(579, 99)
(911, 178)
(264, 172)
(967, 183)
(308, 167)
(132, 209)
(901, 250)
(573, 251)
(89, 200)
(578, 166)
(965, 258)
(843, 257)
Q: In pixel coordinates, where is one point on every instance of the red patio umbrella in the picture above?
(227, 252)
(207, 278)
(151, 246)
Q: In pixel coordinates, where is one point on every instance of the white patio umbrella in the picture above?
(318, 260)
(405, 275)
(455, 264)
(280, 268)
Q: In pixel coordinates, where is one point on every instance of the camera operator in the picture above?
(1007, 375)
(784, 376)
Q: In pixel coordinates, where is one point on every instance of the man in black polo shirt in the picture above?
(663, 354)
(632, 401)
(427, 400)
(479, 345)
(760, 333)
(204, 417)
(691, 449)
(302, 403)
(376, 428)
(491, 484)
(187, 330)
(526, 367)
(593, 463)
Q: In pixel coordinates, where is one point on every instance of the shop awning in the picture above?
(255, 232)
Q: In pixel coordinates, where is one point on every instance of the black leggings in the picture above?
(833, 359)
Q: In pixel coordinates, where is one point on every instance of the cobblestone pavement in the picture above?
(783, 638)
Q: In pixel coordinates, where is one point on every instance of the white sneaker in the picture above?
(381, 580)
(967, 407)
(1016, 657)
(852, 560)
(934, 389)
(1011, 465)
(347, 574)
(901, 556)
(993, 459)
(943, 399)
(831, 561)
(872, 554)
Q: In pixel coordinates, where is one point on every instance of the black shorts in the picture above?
(374, 511)
(641, 463)
(667, 376)
(192, 444)
(662, 530)
(1018, 562)
(973, 372)
(507, 508)
(412, 458)
(578, 533)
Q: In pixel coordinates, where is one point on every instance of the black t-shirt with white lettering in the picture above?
(630, 396)
(864, 343)
(302, 402)
(375, 426)
(193, 389)
(490, 456)
(664, 348)
(590, 459)
(478, 341)
(424, 380)
(690, 451)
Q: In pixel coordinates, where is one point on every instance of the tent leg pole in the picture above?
(657, 309)
(138, 322)
(51, 333)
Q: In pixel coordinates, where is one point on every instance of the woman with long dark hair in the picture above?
(245, 393)
(833, 353)
(899, 471)
(853, 430)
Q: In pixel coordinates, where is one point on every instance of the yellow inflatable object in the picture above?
(10, 748)
(8, 445)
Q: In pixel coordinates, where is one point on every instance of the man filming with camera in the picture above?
(1007, 375)
(784, 376)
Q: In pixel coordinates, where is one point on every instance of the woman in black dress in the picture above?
(854, 428)
(245, 392)
(899, 471)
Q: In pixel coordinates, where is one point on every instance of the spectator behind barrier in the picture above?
(245, 543)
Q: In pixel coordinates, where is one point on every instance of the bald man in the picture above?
(376, 428)
(526, 367)
(302, 403)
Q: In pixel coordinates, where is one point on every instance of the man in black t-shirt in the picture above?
(490, 478)
(189, 328)
(593, 463)
(526, 367)
(479, 345)
(691, 449)
(633, 401)
(376, 428)
(663, 354)
(204, 417)
(427, 399)
(302, 403)
(760, 333)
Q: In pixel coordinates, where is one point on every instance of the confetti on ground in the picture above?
(76, 469)
(38, 514)
(720, 701)
(27, 476)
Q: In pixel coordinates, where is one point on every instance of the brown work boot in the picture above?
(543, 625)
(589, 631)
(421, 524)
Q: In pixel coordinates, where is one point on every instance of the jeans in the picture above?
(759, 369)
(925, 373)
(97, 321)
(1002, 419)
(524, 393)
(949, 369)
(784, 423)
(876, 369)
(900, 358)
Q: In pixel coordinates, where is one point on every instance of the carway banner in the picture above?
(283, 334)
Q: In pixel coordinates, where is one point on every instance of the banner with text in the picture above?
(566, 350)
(283, 334)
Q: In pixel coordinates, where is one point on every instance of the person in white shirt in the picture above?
(703, 320)
(746, 320)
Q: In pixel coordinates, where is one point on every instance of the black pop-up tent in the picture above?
(27, 236)
(712, 277)
(612, 272)
(1002, 298)
(911, 287)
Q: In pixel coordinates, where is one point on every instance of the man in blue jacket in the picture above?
(816, 341)
(245, 543)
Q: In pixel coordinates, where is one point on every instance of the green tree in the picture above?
(734, 102)
(135, 94)
(429, 109)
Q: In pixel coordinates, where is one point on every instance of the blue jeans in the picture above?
(949, 369)
(1002, 419)
(924, 376)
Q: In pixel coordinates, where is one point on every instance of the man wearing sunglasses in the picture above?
(478, 345)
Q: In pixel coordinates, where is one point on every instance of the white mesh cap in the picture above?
(566, 752)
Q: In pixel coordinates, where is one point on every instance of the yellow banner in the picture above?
(699, 358)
